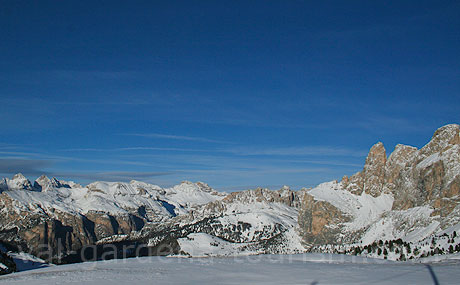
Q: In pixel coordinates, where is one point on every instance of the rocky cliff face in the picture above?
(320, 222)
(425, 180)
(414, 177)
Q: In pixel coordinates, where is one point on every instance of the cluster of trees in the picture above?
(381, 248)
(397, 249)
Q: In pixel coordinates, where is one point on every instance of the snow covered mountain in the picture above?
(411, 196)
(67, 218)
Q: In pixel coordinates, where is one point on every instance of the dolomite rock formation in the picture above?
(427, 179)
(414, 177)
(320, 222)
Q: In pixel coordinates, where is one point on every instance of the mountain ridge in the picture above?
(412, 194)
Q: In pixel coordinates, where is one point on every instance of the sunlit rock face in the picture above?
(414, 179)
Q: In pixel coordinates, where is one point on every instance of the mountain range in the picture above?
(400, 206)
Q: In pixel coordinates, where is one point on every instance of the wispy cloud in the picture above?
(257, 171)
(141, 148)
(176, 137)
(90, 74)
(324, 162)
(298, 151)
(384, 124)
(25, 166)
(93, 103)
(56, 158)
(111, 175)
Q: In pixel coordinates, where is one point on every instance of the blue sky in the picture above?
(234, 93)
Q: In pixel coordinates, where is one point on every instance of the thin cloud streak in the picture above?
(25, 166)
(246, 172)
(39, 156)
(135, 149)
(289, 151)
(298, 151)
(176, 137)
(114, 176)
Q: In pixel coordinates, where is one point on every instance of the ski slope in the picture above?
(259, 269)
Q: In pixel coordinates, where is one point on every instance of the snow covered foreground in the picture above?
(260, 269)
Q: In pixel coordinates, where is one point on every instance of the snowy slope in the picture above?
(262, 269)
(247, 222)
(364, 209)
(245, 229)
(205, 245)
(374, 218)
(113, 198)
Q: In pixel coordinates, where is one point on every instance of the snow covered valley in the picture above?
(307, 268)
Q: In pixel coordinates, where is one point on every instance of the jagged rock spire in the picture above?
(374, 170)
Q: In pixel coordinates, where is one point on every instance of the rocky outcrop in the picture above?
(320, 222)
(18, 182)
(7, 264)
(371, 179)
(43, 183)
(374, 170)
(419, 181)
(414, 177)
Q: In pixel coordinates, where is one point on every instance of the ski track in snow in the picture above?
(260, 269)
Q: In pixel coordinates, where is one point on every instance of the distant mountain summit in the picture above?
(408, 199)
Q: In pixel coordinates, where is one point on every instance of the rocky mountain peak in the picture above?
(3, 185)
(402, 157)
(19, 176)
(370, 180)
(374, 170)
(376, 153)
(204, 187)
(442, 139)
(19, 181)
(401, 154)
(43, 183)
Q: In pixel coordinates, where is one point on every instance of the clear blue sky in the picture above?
(234, 93)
